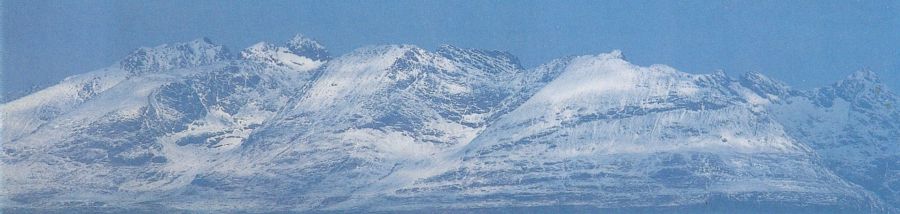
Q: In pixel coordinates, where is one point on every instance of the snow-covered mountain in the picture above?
(610, 134)
(853, 125)
(191, 126)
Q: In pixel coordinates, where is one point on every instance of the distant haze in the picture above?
(804, 43)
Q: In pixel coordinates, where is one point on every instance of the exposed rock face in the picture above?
(179, 55)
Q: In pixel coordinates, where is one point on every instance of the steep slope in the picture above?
(609, 134)
(23, 116)
(853, 125)
(370, 113)
(148, 131)
(296, 129)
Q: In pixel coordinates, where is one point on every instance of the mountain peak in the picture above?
(203, 40)
(307, 47)
(201, 51)
(616, 54)
(864, 75)
(859, 80)
(279, 56)
(480, 58)
(763, 85)
(859, 83)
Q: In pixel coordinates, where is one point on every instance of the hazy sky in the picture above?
(804, 43)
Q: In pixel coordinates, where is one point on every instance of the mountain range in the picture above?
(193, 127)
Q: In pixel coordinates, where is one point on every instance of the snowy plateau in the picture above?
(191, 127)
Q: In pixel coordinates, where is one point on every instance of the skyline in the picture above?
(803, 45)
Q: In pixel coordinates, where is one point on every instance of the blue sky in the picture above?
(804, 43)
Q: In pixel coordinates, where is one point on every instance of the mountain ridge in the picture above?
(397, 127)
